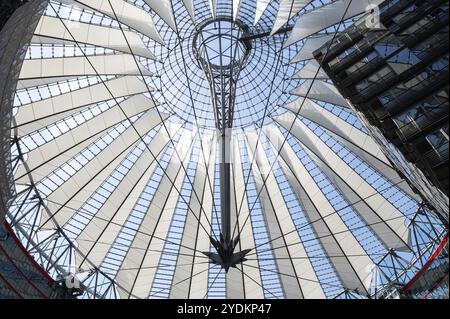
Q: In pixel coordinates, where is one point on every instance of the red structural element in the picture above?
(27, 254)
(19, 270)
(427, 265)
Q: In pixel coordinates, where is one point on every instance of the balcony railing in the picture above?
(435, 158)
(422, 123)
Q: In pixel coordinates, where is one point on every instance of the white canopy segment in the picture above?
(261, 6)
(287, 10)
(213, 6)
(311, 70)
(125, 12)
(52, 28)
(189, 4)
(120, 165)
(327, 16)
(310, 45)
(236, 7)
(322, 91)
(70, 67)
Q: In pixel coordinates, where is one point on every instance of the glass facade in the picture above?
(392, 64)
(20, 275)
(123, 185)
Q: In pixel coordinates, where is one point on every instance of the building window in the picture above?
(342, 56)
(358, 66)
(404, 57)
(422, 115)
(439, 142)
(389, 46)
(375, 79)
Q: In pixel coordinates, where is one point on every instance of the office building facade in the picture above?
(393, 67)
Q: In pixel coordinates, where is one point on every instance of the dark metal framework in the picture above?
(222, 55)
(394, 275)
(56, 251)
(396, 75)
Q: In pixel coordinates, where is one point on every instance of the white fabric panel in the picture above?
(310, 71)
(321, 91)
(317, 114)
(193, 235)
(189, 4)
(199, 285)
(310, 45)
(385, 169)
(235, 287)
(117, 64)
(353, 267)
(261, 6)
(213, 6)
(135, 17)
(280, 223)
(145, 251)
(391, 238)
(85, 182)
(342, 265)
(137, 101)
(235, 283)
(53, 159)
(289, 282)
(24, 84)
(287, 10)
(39, 39)
(98, 235)
(351, 137)
(163, 8)
(236, 7)
(326, 16)
(102, 247)
(33, 116)
(253, 290)
(378, 209)
(234, 279)
(107, 37)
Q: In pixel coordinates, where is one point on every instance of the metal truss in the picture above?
(55, 252)
(395, 271)
(222, 55)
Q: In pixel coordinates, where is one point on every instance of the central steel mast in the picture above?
(222, 54)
